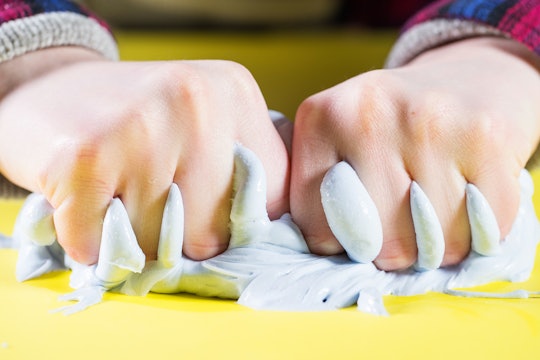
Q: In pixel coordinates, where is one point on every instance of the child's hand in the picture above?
(465, 112)
(85, 133)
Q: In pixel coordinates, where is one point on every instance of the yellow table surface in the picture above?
(431, 326)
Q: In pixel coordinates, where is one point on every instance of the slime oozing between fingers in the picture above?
(268, 265)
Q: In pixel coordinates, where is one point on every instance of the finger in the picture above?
(447, 196)
(145, 204)
(374, 153)
(78, 221)
(206, 183)
(502, 196)
(312, 157)
(389, 187)
(272, 150)
(246, 119)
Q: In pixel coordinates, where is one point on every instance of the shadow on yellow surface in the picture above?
(432, 326)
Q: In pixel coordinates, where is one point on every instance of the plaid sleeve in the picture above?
(29, 25)
(444, 21)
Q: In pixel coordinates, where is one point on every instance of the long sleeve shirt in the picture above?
(445, 21)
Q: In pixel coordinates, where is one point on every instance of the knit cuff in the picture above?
(433, 33)
(40, 31)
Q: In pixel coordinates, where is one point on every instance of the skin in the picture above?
(89, 130)
(464, 112)
(81, 130)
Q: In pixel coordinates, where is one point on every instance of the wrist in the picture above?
(24, 68)
(487, 47)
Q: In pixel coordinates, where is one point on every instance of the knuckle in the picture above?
(181, 83)
(454, 257)
(325, 246)
(428, 122)
(196, 80)
(205, 247)
(178, 83)
(440, 117)
(241, 82)
(83, 154)
(80, 256)
(362, 108)
(376, 91)
(457, 249)
(84, 252)
(316, 107)
(235, 69)
(305, 115)
(397, 254)
(71, 158)
(488, 137)
(321, 114)
(397, 263)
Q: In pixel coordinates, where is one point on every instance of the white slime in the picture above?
(268, 265)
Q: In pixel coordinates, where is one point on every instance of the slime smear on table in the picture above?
(268, 265)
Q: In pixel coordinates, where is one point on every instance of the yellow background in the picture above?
(289, 66)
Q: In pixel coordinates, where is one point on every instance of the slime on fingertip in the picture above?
(351, 213)
(171, 237)
(428, 230)
(485, 233)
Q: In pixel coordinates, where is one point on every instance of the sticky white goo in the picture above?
(428, 230)
(351, 214)
(268, 266)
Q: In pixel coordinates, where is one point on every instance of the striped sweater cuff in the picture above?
(433, 33)
(61, 28)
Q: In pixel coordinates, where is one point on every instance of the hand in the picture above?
(463, 113)
(93, 130)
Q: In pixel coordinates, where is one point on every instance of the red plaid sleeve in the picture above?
(519, 19)
(450, 20)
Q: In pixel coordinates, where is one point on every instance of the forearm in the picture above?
(27, 67)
